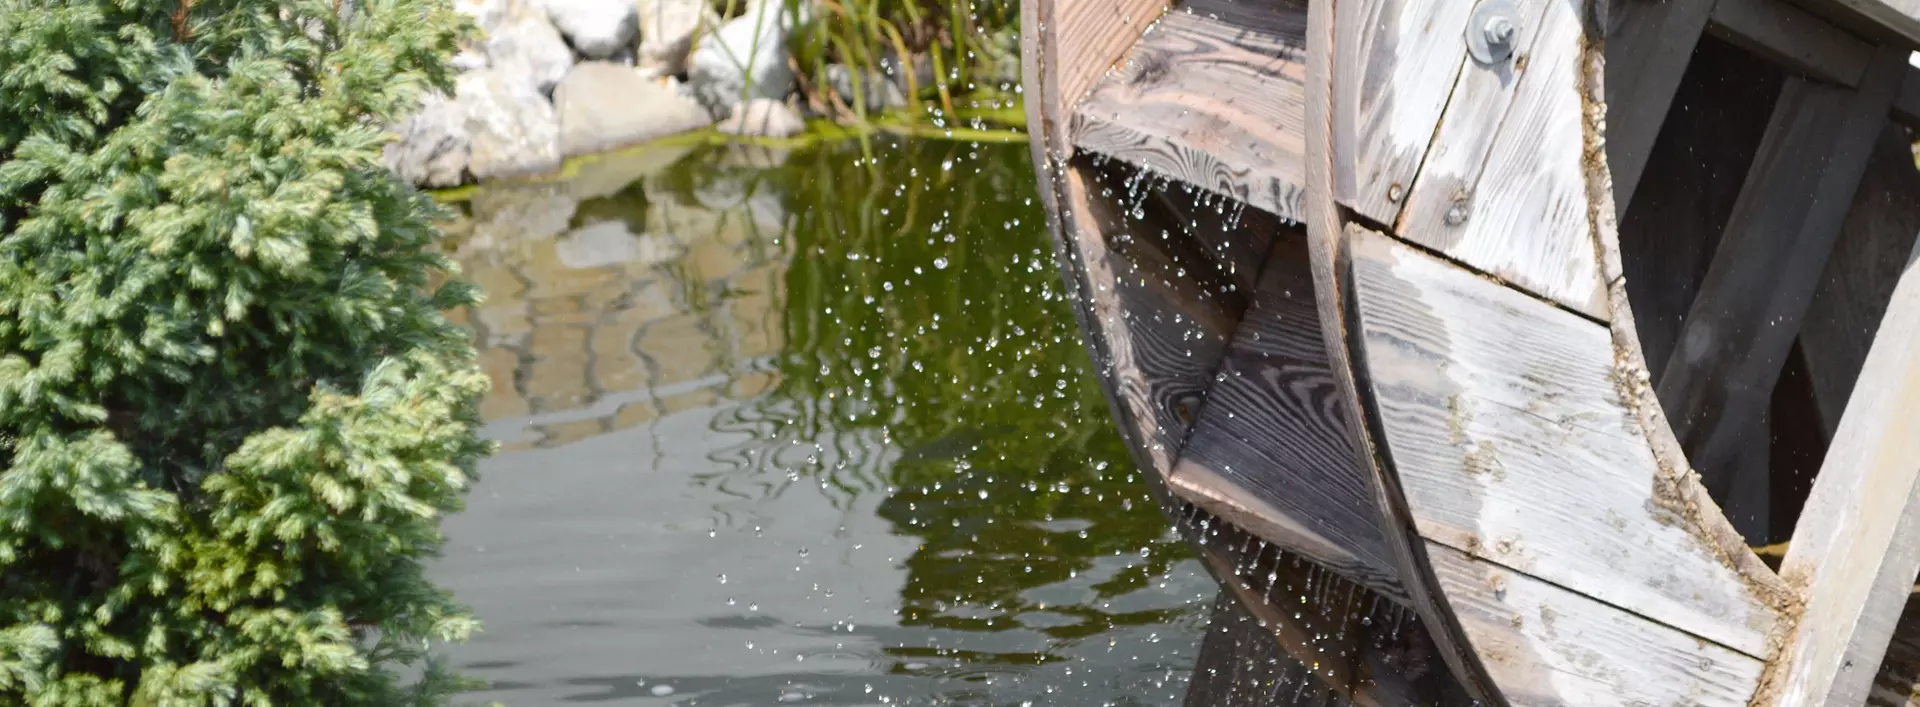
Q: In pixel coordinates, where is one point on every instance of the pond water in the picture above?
(801, 427)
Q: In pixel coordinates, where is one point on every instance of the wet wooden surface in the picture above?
(1210, 96)
(1272, 451)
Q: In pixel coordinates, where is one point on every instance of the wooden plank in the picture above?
(1079, 41)
(1897, 684)
(1333, 120)
(1504, 422)
(1861, 273)
(1648, 47)
(1504, 189)
(1211, 96)
(1272, 451)
(1159, 321)
(1900, 16)
(1693, 178)
(1794, 38)
(1394, 65)
(1548, 646)
(1240, 665)
(1857, 547)
(1740, 327)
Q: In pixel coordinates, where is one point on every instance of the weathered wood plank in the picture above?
(1793, 38)
(1240, 665)
(1271, 451)
(1693, 178)
(1648, 47)
(1897, 684)
(1394, 65)
(1504, 422)
(1333, 111)
(1078, 41)
(1504, 188)
(1856, 549)
(1549, 646)
(1747, 314)
(1861, 273)
(1211, 96)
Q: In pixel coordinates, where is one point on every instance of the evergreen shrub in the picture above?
(231, 413)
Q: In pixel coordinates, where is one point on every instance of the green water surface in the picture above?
(805, 427)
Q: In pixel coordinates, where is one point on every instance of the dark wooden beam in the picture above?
(1718, 380)
(1648, 47)
(1906, 106)
(1793, 38)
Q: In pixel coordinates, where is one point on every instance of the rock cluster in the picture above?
(550, 79)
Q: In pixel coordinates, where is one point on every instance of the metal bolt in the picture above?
(1499, 30)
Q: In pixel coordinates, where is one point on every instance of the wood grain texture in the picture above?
(1079, 42)
(1271, 451)
(1856, 549)
(1792, 37)
(1211, 96)
(1332, 136)
(1747, 314)
(1648, 47)
(1161, 319)
(1549, 646)
(1504, 188)
(1504, 424)
(1897, 684)
(1866, 264)
(1393, 67)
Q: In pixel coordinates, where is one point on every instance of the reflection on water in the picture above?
(802, 428)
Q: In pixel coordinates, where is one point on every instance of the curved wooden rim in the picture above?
(1327, 250)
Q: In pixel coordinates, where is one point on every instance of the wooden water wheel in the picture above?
(1549, 322)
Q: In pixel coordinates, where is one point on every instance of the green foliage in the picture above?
(969, 48)
(230, 411)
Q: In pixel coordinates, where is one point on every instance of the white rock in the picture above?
(762, 117)
(433, 147)
(667, 29)
(485, 13)
(525, 44)
(598, 29)
(512, 129)
(610, 243)
(603, 105)
(745, 59)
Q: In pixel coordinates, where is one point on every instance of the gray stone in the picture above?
(745, 59)
(604, 105)
(762, 117)
(611, 243)
(667, 29)
(613, 172)
(876, 89)
(598, 29)
(485, 13)
(512, 129)
(525, 44)
(433, 147)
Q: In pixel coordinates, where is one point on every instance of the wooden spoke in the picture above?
(1857, 547)
(1648, 47)
(1738, 330)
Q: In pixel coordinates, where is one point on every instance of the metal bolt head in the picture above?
(1492, 31)
(1499, 30)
